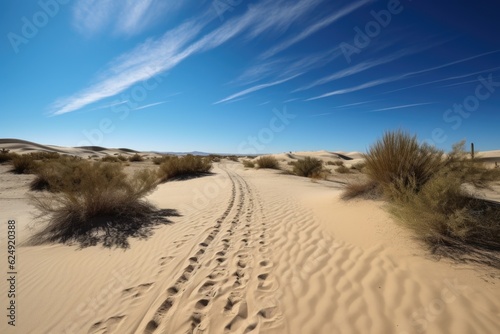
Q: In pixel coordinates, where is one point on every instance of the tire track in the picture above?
(229, 272)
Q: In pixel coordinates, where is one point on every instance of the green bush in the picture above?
(308, 167)
(181, 166)
(268, 162)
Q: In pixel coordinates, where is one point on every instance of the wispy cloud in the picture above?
(122, 17)
(404, 106)
(314, 28)
(155, 56)
(361, 67)
(150, 105)
(395, 78)
(255, 88)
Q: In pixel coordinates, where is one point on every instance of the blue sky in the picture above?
(249, 76)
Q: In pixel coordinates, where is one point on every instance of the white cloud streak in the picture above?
(156, 56)
(395, 78)
(404, 106)
(314, 28)
(255, 88)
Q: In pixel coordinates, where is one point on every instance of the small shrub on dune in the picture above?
(214, 157)
(232, 158)
(160, 160)
(398, 162)
(6, 156)
(342, 170)
(248, 164)
(136, 158)
(182, 166)
(365, 190)
(45, 155)
(268, 162)
(359, 166)
(336, 163)
(24, 164)
(104, 199)
(110, 158)
(308, 167)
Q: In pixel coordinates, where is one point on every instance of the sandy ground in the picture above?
(245, 251)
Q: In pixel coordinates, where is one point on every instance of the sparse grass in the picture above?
(104, 199)
(343, 170)
(182, 166)
(160, 160)
(45, 155)
(308, 167)
(268, 162)
(5, 156)
(425, 192)
(359, 166)
(335, 163)
(110, 158)
(122, 158)
(136, 158)
(24, 164)
(232, 158)
(214, 157)
(248, 164)
(366, 190)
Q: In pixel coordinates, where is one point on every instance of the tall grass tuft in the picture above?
(24, 164)
(268, 162)
(184, 166)
(399, 163)
(308, 167)
(248, 163)
(104, 198)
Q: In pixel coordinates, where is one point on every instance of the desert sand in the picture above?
(245, 251)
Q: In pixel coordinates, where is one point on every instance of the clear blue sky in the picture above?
(249, 76)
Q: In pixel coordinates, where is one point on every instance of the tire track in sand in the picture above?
(228, 273)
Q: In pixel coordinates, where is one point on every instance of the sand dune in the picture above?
(248, 251)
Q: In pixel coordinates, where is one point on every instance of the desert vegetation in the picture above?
(425, 190)
(248, 163)
(308, 167)
(135, 158)
(89, 201)
(188, 165)
(268, 162)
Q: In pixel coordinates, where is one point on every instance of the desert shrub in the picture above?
(366, 190)
(45, 155)
(103, 199)
(110, 158)
(358, 166)
(24, 164)
(268, 162)
(398, 162)
(335, 163)
(214, 157)
(181, 166)
(160, 160)
(342, 170)
(232, 158)
(135, 158)
(6, 156)
(248, 163)
(308, 167)
(445, 217)
(121, 157)
(61, 175)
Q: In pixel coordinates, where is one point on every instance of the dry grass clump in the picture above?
(184, 166)
(343, 170)
(426, 194)
(136, 158)
(214, 157)
(6, 156)
(103, 200)
(365, 190)
(232, 158)
(24, 164)
(160, 160)
(398, 162)
(359, 166)
(110, 158)
(335, 163)
(308, 167)
(248, 163)
(64, 174)
(268, 162)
